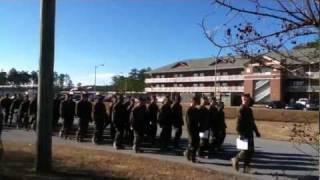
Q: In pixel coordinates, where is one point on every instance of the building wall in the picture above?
(248, 87)
(282, 86)
(276, 89)
(235, 71)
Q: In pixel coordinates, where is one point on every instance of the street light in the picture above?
(95, 75)
(216, 61)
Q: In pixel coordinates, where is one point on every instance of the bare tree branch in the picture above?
(297, 21)
(256, 13)
(299, 10)
(286, 10)
(317, 8)
(310, 11)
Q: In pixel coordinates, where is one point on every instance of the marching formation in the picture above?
(135, 121)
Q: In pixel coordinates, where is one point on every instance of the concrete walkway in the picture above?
(272, 160)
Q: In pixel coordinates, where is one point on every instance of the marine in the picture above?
(245, 128)
(84, 110)
(67, 112)
(165, 122)
(193, 129)
(138, 121)
(6, 103)
(177, 120)
(153, 111)
(101, 119)
(118, 119)
(24, 113)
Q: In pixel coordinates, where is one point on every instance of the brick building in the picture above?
(227, 78)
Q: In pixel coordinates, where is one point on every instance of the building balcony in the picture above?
(303, 89)
(307, 75)
(195, 79)
(205, 89)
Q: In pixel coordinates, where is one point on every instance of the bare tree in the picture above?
(255, 28)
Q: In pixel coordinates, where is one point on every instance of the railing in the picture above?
(307, 75)
(260, 73)
(261, 83)
(196, 89)
(19, 86)
(303, 89)
(195, 79)
(259, 96)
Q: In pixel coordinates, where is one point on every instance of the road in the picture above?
(272, 160)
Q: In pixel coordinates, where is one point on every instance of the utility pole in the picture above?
(45, 88)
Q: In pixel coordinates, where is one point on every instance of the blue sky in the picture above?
(121, 34)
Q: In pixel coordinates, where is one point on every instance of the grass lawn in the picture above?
(77, 163)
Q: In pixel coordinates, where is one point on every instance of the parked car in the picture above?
(275, 105)
(312, 105)
(294, 106)
(302, 101)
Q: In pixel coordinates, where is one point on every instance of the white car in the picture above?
(302, 101)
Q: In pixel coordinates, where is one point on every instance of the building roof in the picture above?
(296, 56)
(202, 64)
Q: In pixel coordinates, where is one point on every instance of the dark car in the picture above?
(294, 106)
(312, 105)
(275, 105)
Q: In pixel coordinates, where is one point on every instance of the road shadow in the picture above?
(268, 163)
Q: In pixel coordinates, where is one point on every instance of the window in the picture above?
(175, 75)
(195, 74)
(163, 76)
(297, 83)
(162, 85)
(180, 64)
(175, 85)
(201, 84)
(180, 75)
(201, 74)
(158, 76)
(225, 73)
(195, 85)
(180, 85)
(218, 73)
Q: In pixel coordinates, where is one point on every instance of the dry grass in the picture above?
(80, 163)
(277, 115)
(270, 129)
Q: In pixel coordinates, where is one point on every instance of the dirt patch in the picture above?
(77, 163)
